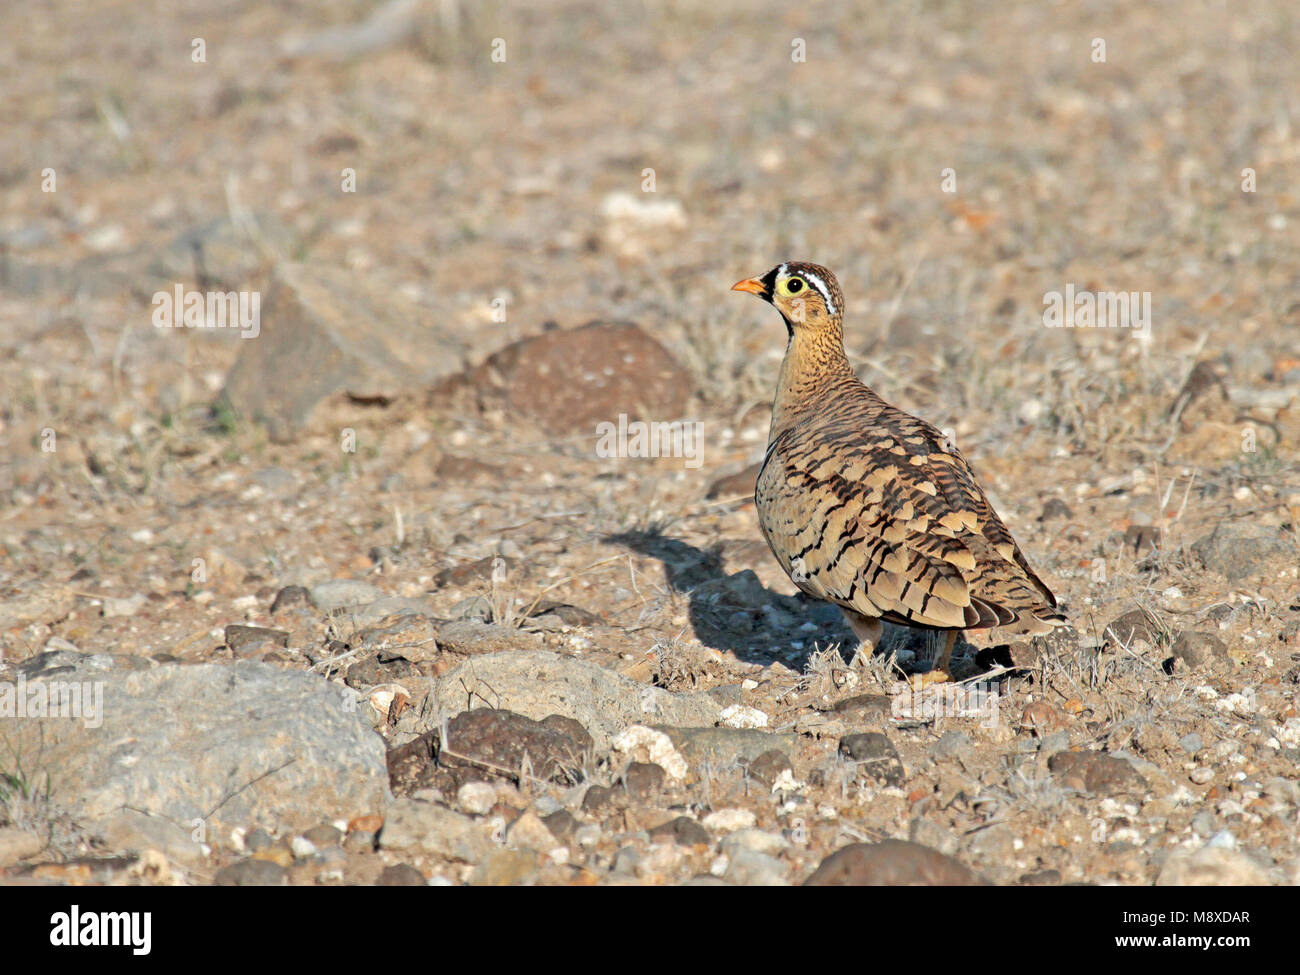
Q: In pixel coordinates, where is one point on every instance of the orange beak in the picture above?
(753, 285)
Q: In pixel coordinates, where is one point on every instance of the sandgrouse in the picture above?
(869, 507)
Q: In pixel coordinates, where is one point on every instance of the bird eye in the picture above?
(794, 286)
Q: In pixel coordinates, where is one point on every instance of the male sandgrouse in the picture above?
(870, 508)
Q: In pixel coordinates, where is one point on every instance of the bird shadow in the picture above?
(734, 611)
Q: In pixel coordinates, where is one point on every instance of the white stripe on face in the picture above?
(820, 285)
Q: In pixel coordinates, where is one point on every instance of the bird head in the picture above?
(806, 295)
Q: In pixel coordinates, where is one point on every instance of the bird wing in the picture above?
(883, 515)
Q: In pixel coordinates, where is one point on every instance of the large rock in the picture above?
(539, 683)
(326, 331)
(190, 750)
(569, 381)
(1241, 551)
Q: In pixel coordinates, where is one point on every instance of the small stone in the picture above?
(1133, 628)
(1096, 772)
(302, 848)
(767, 768)
(643, 780)
(627, 860)
(341, 594)
(1199, 649)
(258, 839)
(1055, 508)
(112, 606)
(249, 641)
(1042, 878)
(684, 831)
(876, 754)
(528, 832)
(476, 798)
(1191, 743)
(324, 835)
(587, 836)
(752, 868)
(757, 840)
(652, 745)
(251, 872)
(1242, 550)
(597, 797)
(1211, 866)
(505, 868)
(430, 828)
(952, 744)
(892, 863)
(502, 743)
(401, 875)
(741, 716)
(562, 825)
(1201, 775)
(926, 833)
(1141, 538)
(290, 597)
(730, 820)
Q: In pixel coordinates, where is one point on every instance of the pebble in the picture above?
(756, 840)
(742, 716)
(892, 863)
(251, 873)
(528, 832)
(730, 820)
(656, 746)
(400, 875)
(17, 844)
(684, 831)
(476, 798)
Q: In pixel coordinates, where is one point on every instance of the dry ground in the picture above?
(478, 180)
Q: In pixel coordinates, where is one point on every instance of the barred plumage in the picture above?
(871, 508)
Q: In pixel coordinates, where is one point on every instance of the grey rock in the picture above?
(753, 869)
(952, 744)
(430, 828)
(473, 636)
(725, 747)
(1199, 649)
(251, 873)
(505, 868)
(401, 875)
(325, 330)
(1242, 550)
(892, 863)
(248, 641)
(343, 594)
(220, 251)
(683, 831)
(927, 833)
(876, 754)
(1191, 743)
(538, 683)
(225, 744)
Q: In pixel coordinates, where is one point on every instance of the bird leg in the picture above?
(868, 630)
(939, 673)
